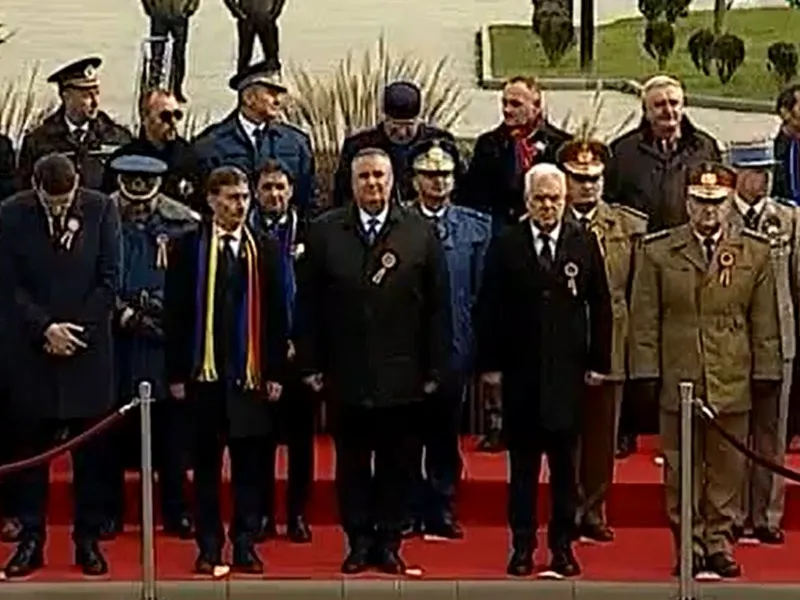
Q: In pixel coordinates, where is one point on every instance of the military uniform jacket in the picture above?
(784, 248)
(686, 325)
(542, 332)
(247, 412)
(617, 229)
(45, 283)
(226, 144)
(103, 137)
(464, 234)
(145, 260)
(377, 344)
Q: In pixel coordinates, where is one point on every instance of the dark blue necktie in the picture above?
(373, 225)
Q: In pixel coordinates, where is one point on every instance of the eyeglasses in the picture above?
(168, 116)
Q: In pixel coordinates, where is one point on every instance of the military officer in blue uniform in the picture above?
(464, 234)
(150, 220)
(276, 216)
(252, 133)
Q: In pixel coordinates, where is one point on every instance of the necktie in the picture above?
(227, 255)
(546, 253)
(373, 225)
(751, 218)
(586, 222)
(258, 137)
(708, 245)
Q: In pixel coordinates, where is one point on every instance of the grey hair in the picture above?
(542, 170)
(659, 81)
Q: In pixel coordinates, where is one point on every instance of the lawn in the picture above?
(618, 52)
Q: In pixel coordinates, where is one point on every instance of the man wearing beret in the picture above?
(276, 217)
(704, 309)
(150, 222)
(253, 133)
(78, 128)
(400, 129)
(779, 220)
(61, 237)
(617, 229)
(464, 234)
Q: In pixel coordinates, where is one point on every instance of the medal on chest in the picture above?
(571, 271)
(388, 262)
(68, 238)
(726, 262)
(162, 242)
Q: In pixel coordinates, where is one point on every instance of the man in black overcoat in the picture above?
(226, 342)
(373, 327)
(544, 332)
(60, 268)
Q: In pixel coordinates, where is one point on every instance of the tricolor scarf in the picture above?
(249, 340)
(526, 150)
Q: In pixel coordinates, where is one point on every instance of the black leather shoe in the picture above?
(388, 561)
(206, 561)
(27, 558)
(267, 530)
(182, 528)
(91, 560)
(448, 529)
(521, 562)
(626, 445)
(298, 531)
(724, 565)
(358, 559)
(564, 563)
(769, 535)
(411, 528)
(597, 532)
(698, 566)
(10, 530)
(246, 559)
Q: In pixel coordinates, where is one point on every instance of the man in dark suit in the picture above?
(374, 327)
(226, 344)
(64, 238)
(78, 128)
(276, 216)
(544, 285)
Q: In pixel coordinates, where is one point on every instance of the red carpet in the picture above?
(636, 498)
(637, 555)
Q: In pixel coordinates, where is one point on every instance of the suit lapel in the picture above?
(688, 246)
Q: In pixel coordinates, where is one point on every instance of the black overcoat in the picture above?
(537, 333)
(376, 343)
(248, 412)
(45, 283)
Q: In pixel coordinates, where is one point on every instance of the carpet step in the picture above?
(636, 499)
(481, 555)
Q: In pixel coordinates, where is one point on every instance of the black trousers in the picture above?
(178, 29)
(439, 423)
(525, 461)
(89, 492)
(266, 30)
(247, 472)
(9, 452)
(374, 503)
(172, 434)
(295, 418)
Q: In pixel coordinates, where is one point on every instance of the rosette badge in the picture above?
(388, 262)
(571, 271)
(726, 262)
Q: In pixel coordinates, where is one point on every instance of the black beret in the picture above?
(402, 100)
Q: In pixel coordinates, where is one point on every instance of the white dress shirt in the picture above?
(538, 244)
(365, 218)
(236, 241)
(432, 214)
(701, 240)
(250, 128)
(79, 130)
(587, 216)
(743, 207)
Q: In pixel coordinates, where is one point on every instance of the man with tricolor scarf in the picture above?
(226, 335)
(275, 215)
(150, 220)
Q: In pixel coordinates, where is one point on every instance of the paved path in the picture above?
(315, 33)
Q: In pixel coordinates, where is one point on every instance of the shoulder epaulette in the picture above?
(295, 128)
(756, 235)
(784, 202)
(175, 211)
(631, 211)
(656, 235)
(475, 214)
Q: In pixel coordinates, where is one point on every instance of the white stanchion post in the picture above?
(148, 525)
(687, 583)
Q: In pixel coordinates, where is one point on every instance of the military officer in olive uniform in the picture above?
(464, 234)
(150, 220)
(763, 494)
(78, 128)
(704, 310)
(617, 229)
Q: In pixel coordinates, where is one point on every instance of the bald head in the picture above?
(545, 195)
